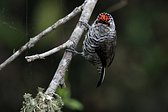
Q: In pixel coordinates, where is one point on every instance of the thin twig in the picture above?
(50, 52)
(75, 37)
(35, 39)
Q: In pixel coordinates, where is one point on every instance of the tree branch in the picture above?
(50, 52)
(75, 37)
(35, 39)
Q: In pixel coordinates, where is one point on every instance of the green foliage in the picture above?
(69, 102)
(42, 103)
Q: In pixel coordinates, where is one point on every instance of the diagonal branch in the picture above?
(35, 39)
(75, 37)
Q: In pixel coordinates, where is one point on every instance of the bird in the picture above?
(99, 45)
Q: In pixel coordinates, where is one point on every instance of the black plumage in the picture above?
(100, 43)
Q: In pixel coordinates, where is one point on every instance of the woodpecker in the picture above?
(100, 43)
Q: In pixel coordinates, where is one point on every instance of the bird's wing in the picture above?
(101, 67)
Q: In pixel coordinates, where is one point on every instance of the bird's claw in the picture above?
(86, 25)
(72, 50)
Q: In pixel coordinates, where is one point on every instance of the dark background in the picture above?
(135, 82)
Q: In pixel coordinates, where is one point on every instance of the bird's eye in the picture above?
(106, 23)
(103, 22)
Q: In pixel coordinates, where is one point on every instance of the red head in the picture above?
(104, 18)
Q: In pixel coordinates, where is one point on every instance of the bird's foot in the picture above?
(86, 25)
(72, 50)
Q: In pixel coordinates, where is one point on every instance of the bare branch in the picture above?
(35, 39)
(50, 52)
(75, 37)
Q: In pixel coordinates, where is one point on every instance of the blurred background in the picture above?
(135, 82)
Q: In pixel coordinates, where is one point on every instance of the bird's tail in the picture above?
(102, 75)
